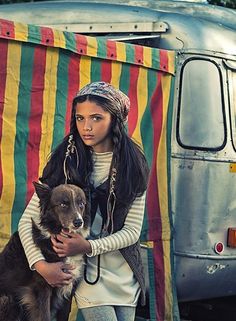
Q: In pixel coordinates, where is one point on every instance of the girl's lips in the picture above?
(88, 136)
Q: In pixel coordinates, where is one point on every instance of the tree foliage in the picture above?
(224, 3)
(13, 1)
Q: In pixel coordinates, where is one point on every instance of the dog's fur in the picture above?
(24, 294)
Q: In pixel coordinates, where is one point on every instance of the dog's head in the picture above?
(62, 207)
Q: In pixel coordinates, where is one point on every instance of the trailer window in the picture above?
(201, 117)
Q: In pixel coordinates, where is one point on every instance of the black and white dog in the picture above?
(24, 294)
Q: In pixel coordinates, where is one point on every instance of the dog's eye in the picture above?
(63, 205)
(81, 205)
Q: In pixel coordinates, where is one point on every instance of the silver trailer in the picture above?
(203, 148)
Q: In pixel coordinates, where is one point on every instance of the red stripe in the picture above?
(133, 96)
(35, 117)
(73, 86)
(3, 76)
(106, 70)
(81, 44)
(138, 54)
(153, 205)
(47, 36)
(111, 50)
(163, 60)
(154, 211)
(154, 215)
(7, 29)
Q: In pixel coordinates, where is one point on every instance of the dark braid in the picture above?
(116, 129)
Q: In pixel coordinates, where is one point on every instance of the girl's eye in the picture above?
(97, 118)
(78, 118)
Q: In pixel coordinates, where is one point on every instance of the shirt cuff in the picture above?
(35, 260)
(93, 252)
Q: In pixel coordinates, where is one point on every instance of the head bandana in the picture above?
(121, 102)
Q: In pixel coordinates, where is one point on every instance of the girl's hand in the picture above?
(56, 274)
(70, 244)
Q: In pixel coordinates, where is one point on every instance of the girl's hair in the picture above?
(128, 159)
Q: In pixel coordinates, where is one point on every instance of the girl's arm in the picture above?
(128, 235)
(51, 272)
(32, 211)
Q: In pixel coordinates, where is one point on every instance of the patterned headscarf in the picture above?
(120, 101)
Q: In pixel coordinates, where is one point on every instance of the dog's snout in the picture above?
(77, 222)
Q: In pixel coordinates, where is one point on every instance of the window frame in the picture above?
(232, 110)
(195, 147)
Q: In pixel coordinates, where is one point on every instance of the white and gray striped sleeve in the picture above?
(128, 235)
(32, 211)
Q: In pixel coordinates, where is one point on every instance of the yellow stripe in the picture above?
(147, 57)
(168, 281)
(120, 51)
(49, 104)
(163, 197)
(8, 139)
(21, 31)
(162, 160)
(74, 310)
(59, 39)
(142, 92)
(171, 61)
(85, 68)
(92, 47)
(115, 73)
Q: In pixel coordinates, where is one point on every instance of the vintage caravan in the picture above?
(177, 62)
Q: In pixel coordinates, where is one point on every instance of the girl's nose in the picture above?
(87, 126)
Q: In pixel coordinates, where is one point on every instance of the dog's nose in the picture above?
(77, 222)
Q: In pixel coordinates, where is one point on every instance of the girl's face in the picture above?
(93, 124)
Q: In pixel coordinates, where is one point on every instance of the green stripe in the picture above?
(152, 294)
(124, 83)
(61, 97)
(144, 232)
(95, 69)
(79, 316)
(146, 126)
(155, 59)
(34, 34)
(130, 57)
(146, 129)
(102, 48)
(125, 78)
(22, 131)
(70, 41)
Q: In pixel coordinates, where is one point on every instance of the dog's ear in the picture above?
(42, 190)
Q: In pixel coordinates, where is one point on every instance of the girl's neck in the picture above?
(102, 153)
(105, 148)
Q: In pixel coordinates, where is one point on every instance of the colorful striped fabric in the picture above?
(41, 69)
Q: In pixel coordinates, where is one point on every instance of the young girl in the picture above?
(98, 156)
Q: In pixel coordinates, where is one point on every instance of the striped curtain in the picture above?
(41, 69)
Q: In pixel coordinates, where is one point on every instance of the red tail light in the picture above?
(219, 247)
